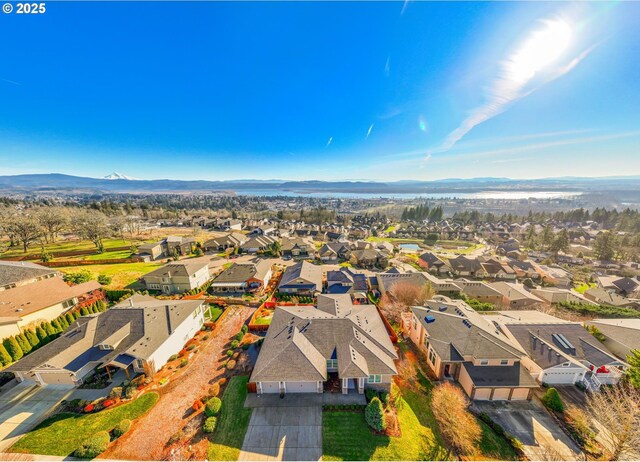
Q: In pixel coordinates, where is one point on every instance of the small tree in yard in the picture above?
(93, 446)
(374, 415)
(212, 407)
(12, 346)
(5, 357)
(552, 400)
(210, 425)
(403, 295)
(617, 409)
(457, 425)
(633, 373)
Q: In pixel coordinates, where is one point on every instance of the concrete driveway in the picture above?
(540, 435)
(24, 406)
(284, 433)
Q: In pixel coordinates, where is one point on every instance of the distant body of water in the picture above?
(410, 247)
(504, 195)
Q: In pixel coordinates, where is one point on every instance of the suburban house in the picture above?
(385, 281)
(347, 281)
(337, 347)
(369, 258)
(303, 278)
(610, 297)
(166, 248)
(297, 247)
(463, 266)
(463, 346)
(557, 276)
(332, 252)
(480, 290)
(257, 244)
(507, 246)
(246, 277)
(516, 296)
(559, 352)
(228, 241)
(431, 262)
(524, 269)
(553, 295)
(624, 286)
(33, 293)
(496, 269)
(177, 277)
(620, 335)
(138, 334)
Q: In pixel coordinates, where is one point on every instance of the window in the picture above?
(332, 363)
(484, 362)
(432, 357)
(139, 363)
(375, 378)
(504, 362)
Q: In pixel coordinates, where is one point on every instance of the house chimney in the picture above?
(168, 313)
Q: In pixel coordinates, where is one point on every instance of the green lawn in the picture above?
(232, 422)
(105, 256)
(66, 246)
(494, 446)
(263, 320)
(122, 274)
(61, 434)
(346, 436)
(582, 288)
(213, 313)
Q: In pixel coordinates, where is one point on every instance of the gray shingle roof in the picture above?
(355, 332)
(499, 376)
(303, 270)
(13, 272)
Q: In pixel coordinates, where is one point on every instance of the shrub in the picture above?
(235, 344)
(244, 329)
(210, 425)
(177, 436)
(122, 428)
(197, 405)
(214, 390)
(239, 336)
(191, 347)
(212, 407)
(130, 392)
(13, 348)
(552, 400)
(89, 408)
(78, 277)
(104, 280)
(183, 363)
(370, 394)
(205, 337)
(93, 446)
(108, 402)
(245, 346)
(173, 357)
(229, 353)
(231, 364)
(374, 415)
(579, 422)
(222, 381)
(116, 392)
(5, 357)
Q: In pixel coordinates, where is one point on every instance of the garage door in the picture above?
(57, 378)
(302, 387)
(553, 378)
(482, 394)
(270, 387)
(520, 394)
(501, 394)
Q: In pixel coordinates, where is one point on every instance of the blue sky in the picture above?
(360, 90)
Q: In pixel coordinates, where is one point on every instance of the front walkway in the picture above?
(302, 399)
(284, 433)
(92, 394)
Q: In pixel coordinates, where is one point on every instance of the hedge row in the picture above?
(15, 347)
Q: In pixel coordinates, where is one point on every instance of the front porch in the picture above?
(254, 400)
(335, 384)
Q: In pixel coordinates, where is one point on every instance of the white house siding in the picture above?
(47, 314)
(7, 330)
(177, 339)
(269, 387)
(561, 375)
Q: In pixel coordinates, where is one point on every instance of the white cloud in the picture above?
(369, 131)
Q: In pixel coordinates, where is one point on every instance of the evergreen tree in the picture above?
(62, 320)
(5, 357)
(56, 326)
(84, 311)
(604, 246)
(33, 339)
(13, 348)
(70, 318)
(42, 334)
(374, 414)
(25, 346)
(633, 373)
(50, 330)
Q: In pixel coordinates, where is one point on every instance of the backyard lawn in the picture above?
(61, 434)
(67, 246)
(213, 313)
(582, 288)
(232, 423)
(494, 446)
(419, 441)
(122, 274)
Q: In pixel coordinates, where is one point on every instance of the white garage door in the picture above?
(520, 394)
(270, 387)
(57, 378)
(302, 387)
(482, 394)
(560, 377)
(501, 394)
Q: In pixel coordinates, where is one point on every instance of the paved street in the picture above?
(284, 433)
(24, 406)
(540, 435)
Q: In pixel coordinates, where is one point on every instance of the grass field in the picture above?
(67, 246)
(582, 288)
(232, 422)
(122, 274)
(63, 433)
(494, 446)
(213, 313)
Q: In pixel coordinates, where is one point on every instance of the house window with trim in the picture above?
(377, 378)
(332, 363)
(432, 357)
(140, 363)
(484, 362)
(504, 362)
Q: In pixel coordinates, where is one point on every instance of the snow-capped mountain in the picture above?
(118, 176)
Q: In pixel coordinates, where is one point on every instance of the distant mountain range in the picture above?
(119, 183)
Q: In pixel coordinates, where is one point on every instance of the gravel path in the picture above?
(148, 437)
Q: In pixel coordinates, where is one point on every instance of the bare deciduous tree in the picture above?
(403, 295)
(91, 225)
(53, 221)
(457, 425)
(25, 229)
(617, 409)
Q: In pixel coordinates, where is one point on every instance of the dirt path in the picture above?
(149, 436)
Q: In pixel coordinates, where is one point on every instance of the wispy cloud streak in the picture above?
(369, 131)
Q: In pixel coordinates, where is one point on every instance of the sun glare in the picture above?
(542, 48)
